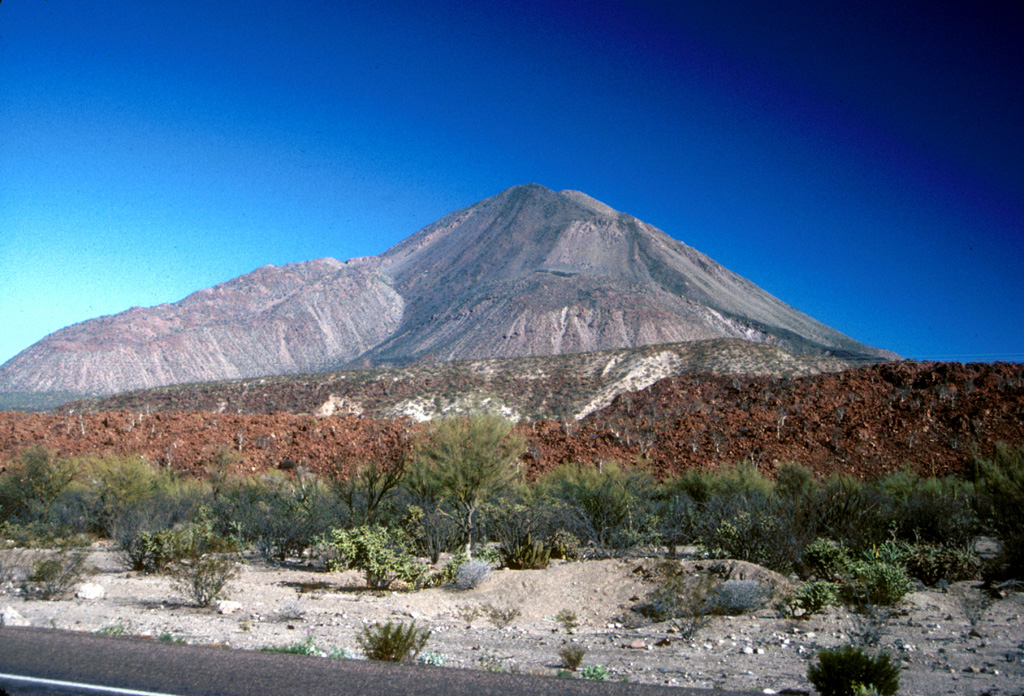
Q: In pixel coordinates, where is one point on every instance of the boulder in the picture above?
(9, 616)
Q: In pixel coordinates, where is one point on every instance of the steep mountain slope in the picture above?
(531, 271)
(527, 272)
(300, 317)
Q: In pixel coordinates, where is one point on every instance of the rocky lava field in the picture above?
(933, 418)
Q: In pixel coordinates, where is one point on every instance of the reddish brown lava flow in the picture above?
(928, 417)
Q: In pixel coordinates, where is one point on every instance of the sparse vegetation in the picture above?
(393, 642)
(847, 670)
(572, 656)
(204, 578)
(55, 574)
(471, 574)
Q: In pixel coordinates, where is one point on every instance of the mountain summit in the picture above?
(529, 271)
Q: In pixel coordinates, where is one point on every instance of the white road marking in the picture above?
(77, 685)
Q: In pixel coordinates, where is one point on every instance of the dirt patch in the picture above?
(958, 641)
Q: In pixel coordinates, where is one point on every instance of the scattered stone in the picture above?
(10, 617)
(90, 590)
(228, 607)
(664, 642)
(637, 645)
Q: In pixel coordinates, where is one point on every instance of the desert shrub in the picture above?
(120, 486)
(392, 642)
(608, 508)
(877, 582)
(380, 553)
(32, 484)
(433, 659)
(812, 597)
(846, 669)
(932, 510)
(595, 672)
(368, 492)
(517, 522)
(471, 574)
(853, 513)
(306, 647)
(686, 600)
(572, 656)
(678, 518)
(564, 544)
(567, 619)
(55, 574)
(153, 552)
(744, 480)
(824, 559)
(282, 515)
(733, 597)
(932, 563)
(432, 531)
(526, 555)
(502, 617)
(202, 579)
(447, 574)
(753, 529)
(1000, 502)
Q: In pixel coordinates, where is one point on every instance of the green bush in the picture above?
(932, 563)
(608, 508)
(527, 555)
(595, 672)
(202, 579)
(54, 575)
(1000, 502)
(32, 484)
(392, 642)
(825, 560)
(813, 596)
(281, 514)
(464, 462)
(878, 582)
(378, 552)
(572, 656)
(846, 670)
(754, 529)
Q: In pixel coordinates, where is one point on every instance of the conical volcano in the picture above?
(529, 271)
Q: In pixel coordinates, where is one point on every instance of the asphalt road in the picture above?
(138, 665)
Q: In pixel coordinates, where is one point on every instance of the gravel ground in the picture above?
(957, 641)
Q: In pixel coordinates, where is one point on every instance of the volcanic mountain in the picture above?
(529, 271)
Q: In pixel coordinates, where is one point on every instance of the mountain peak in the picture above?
(529, 271)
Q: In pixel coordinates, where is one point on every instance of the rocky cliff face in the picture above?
(527, 272)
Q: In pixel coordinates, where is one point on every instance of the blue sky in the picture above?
(862, 161)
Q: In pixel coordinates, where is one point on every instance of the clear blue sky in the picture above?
(862, 161)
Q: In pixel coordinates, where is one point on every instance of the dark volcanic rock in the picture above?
(932, 418)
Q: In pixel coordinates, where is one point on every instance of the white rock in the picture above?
(10, 617)
(227, 606)
(90, 590)
(748, 650)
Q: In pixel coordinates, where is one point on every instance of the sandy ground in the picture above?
(948, 642)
